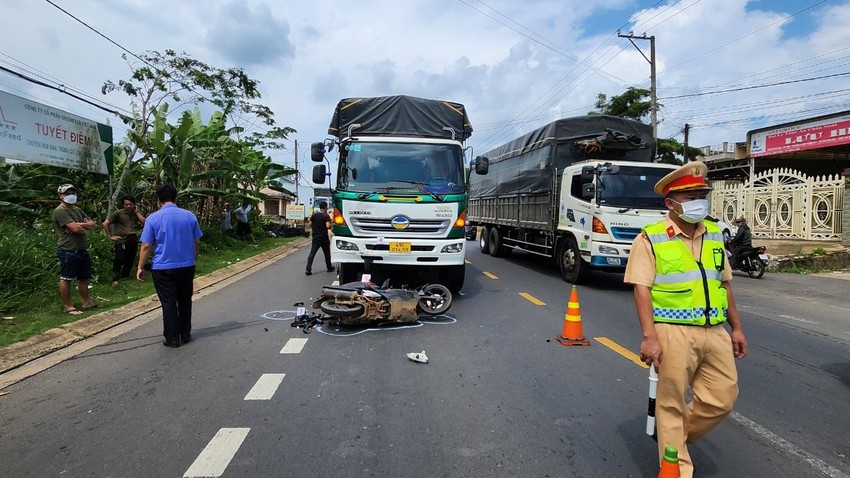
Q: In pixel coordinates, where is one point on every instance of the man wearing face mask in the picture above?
(683, 296)
(72, 224)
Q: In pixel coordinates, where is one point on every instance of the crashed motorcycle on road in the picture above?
(753, 261)
(358, 303)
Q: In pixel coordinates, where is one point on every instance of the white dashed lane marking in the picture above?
(293, 346)
(217, 455)
(265, 387)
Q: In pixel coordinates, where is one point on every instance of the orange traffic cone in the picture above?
(670, 463)
(572, 334)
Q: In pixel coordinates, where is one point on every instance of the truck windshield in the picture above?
(403, 167)
(632, 186)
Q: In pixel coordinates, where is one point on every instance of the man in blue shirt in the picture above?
(175, 236)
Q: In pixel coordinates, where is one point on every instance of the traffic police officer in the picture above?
(682, 293)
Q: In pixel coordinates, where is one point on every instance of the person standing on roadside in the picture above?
(72, 224)
(320, 223)
(683, 296)
(226, 225)
(242, 226)
(175, 236)
(128, 222)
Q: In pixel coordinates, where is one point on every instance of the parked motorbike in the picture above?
(364, 302)
(753, 261)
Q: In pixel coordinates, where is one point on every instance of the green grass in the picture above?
(41, 309)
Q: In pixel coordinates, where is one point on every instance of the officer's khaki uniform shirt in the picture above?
(640, 270)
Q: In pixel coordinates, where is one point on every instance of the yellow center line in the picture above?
(531, 299)
(492, 276)
(621, 350)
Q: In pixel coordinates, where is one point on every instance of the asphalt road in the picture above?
(500, 397)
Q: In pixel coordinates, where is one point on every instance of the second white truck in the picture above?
(577, 190)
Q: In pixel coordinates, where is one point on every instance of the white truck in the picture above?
(577, 190)
(400, 191)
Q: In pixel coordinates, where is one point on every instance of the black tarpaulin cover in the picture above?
(400, 116)
(526, 164)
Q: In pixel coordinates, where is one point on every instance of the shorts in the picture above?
(242, 228)
(74, 265)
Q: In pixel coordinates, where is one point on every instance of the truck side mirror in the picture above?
(319, 173)
(587, 174)
(317, 152)
(588, 190)
(482, 165)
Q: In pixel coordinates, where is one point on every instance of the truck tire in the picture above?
(453, 277)
(573, 268)
(349, 273)
(484, 240)
(497, 249)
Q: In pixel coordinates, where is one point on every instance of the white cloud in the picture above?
(308, 55)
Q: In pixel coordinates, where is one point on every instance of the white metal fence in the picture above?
(784, 203)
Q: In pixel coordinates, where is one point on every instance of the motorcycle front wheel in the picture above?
(434, 299)
(342, 311)
(755, 268)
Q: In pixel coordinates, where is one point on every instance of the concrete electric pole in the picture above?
(653, 97)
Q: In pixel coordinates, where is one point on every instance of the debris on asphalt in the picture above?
(418, 357)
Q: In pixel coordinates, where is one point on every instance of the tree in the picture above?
(160, 77)
(634, 104)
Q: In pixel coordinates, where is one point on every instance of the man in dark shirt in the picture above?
(743, 240)
(72, 224)
(320, 223)
(128, 222)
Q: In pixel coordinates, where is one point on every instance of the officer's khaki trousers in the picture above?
(702, 358)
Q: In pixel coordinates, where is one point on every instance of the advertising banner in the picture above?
(821, 133)
(37, 133)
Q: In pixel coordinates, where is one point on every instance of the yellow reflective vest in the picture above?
(685, 291)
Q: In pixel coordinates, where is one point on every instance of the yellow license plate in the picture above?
(400, 247)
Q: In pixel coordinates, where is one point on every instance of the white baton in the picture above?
(650, 413)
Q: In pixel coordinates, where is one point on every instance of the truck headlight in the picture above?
(346, 246)
(453, 248)
(609, 250)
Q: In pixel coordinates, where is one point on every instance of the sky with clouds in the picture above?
(515, 65)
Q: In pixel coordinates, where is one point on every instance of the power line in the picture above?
(756, 86)
(64, 90)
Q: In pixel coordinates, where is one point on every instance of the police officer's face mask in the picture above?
(693, 211)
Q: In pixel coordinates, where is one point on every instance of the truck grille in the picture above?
(625, 233)
(417, 227)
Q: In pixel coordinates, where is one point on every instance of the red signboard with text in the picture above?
(812, 135)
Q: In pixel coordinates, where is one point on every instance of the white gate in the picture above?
(784, 203)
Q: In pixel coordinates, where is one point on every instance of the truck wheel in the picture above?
(483, 240)
(349, 273)
(496, 247)
(573, 268)
(453, 276)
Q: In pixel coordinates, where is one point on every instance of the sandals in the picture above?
(90, 306)
(72, 311)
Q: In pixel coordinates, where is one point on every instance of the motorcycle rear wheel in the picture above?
(434, 299)
(755, 267)
(342, 311)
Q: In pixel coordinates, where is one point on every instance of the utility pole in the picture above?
(296, 173)
(685, 149)
(652, 90)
